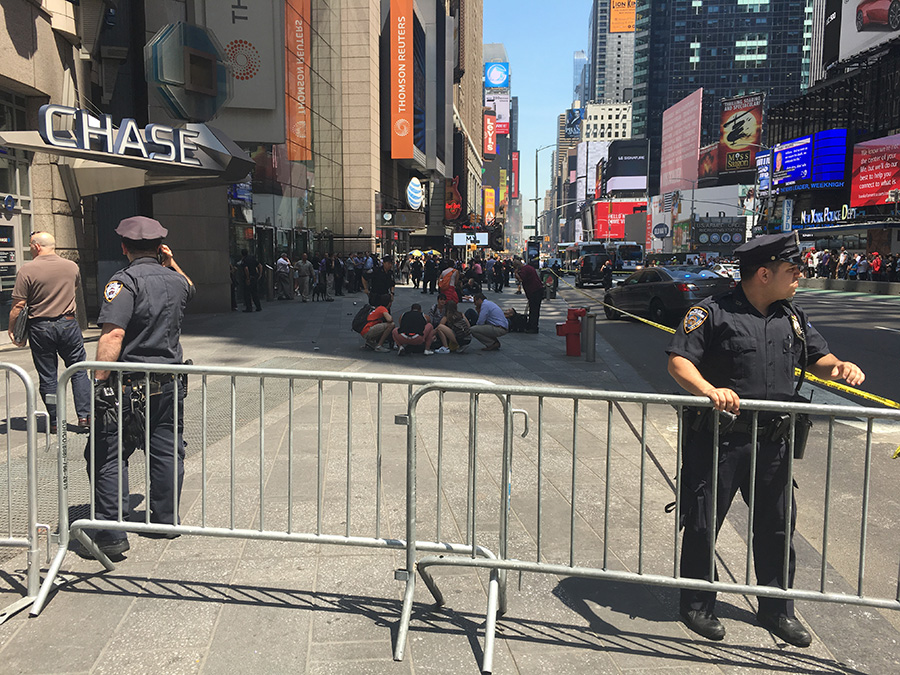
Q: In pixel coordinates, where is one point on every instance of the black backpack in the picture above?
(361, 318)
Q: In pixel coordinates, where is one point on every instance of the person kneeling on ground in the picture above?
(491, 323)
(454, 331)
(379, 325)
(414, 329)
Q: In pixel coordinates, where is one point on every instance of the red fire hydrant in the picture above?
(571, 329)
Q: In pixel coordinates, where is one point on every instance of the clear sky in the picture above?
(541, 39)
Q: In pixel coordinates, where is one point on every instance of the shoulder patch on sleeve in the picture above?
(694, 318)
(112, 290)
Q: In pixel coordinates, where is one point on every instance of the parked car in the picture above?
(732, 270)
(587, 269)
(664, 294)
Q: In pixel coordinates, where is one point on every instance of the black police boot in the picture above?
(787, 628)
(703, 623)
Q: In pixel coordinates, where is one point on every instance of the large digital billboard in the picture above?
(621, 16)
(496, 75)
(609, 217)
(740, 133)
(857, 26)
(793, 162)
(876, 171)
(816, 162)
(626, 168)
(681, 144)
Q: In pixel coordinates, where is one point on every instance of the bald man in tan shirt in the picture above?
(47, 285)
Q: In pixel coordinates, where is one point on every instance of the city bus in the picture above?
(627, 255)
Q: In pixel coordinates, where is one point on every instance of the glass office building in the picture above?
(727, 47)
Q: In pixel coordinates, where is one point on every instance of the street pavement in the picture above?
(197, 604)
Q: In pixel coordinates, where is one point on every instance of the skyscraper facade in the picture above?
(611, 55)
(727, 47)
(579, 63)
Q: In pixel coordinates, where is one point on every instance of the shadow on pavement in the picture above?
(446, 623)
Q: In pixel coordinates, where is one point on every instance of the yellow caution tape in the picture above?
(809, 377)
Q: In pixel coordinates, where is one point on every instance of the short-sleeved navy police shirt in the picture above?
(736, 347)
(148, 301)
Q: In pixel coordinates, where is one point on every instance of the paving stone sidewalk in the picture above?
(197, 604)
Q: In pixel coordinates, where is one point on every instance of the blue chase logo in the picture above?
(415, 195)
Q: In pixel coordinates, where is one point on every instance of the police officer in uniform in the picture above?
(141, 314)
(746, 344)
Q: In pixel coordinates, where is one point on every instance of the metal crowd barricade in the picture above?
(224, 466)
(577, 481)
(21, 534)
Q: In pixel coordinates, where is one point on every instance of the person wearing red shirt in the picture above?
(534, 291)
(379, 325)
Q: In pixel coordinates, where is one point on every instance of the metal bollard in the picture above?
(589, 337)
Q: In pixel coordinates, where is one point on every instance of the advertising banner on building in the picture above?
(621, 16)
(740, 133)
(490, 206)
(831, 45)
(402, 87)
(496, 75)
(680, 153)
(489, 149)
(721, 235)
(609, 217)
(876, 171)
(504, 187)
(589, 155)
(297, 87)
(499, 103)
(626, 168)
(574, 119)
(515, 175)
(250, 48)
(709, 161)
(864, 25)
(763, 171)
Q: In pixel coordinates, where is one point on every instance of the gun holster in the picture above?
(780, 428)
(704, 419)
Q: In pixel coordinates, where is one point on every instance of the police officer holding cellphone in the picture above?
(142, 310)
(746, 343)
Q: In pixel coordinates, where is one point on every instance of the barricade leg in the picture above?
(30, 542)
(490, 624)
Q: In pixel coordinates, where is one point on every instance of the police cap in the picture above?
(141, 227)
(769, 248)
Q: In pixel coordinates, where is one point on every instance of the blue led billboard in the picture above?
(792, 162)
(817, 162)
(829, 155)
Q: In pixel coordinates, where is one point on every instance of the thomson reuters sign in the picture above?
(401, 20)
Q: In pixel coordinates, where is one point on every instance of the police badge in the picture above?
(694, 318)
(798, 329)
(112, 290)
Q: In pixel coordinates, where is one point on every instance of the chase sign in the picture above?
(155, 142)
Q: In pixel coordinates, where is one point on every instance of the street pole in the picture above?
(536, 192)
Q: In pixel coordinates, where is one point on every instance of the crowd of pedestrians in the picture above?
(842, 264)
(442, 329)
